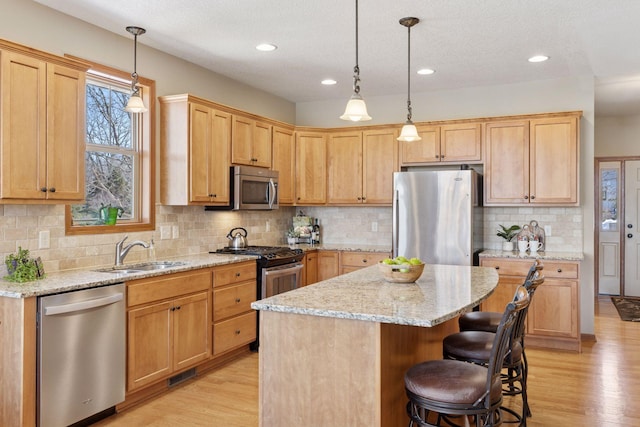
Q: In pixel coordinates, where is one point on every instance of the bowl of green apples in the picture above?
(401, 269)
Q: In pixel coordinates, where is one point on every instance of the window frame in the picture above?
(146, 164)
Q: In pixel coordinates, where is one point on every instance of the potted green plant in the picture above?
(22, 268)
(507, 234)
(292, 235)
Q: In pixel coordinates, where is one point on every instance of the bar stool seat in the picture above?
(479, 321)
(475, 347)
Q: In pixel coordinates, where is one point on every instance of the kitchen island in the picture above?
(335, 353)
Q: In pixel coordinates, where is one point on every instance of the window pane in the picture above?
(609, 199)
(107, 122)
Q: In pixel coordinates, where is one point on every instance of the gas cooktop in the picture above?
(268, 252)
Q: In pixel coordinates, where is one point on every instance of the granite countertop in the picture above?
(548, 255)
(65, 281)
(440, 294)
(342, 247)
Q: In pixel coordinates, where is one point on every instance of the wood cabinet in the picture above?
(42, 111)
(169, 326)
(195, 141)
(533, 162)
(251, 143)
(355, 260)
(309, 272)
(311, 168)
(360, 167)
(450, 143)
(553, 320)
(328, 264)
(234, 322)
(283, 161)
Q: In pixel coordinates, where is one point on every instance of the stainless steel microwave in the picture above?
(251, 189)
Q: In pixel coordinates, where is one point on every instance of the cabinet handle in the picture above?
(237, 331)
(364, 198)
(213, 195)
(237, 300)
(559, 270)
(533, 197)
(442, 157)
(178, 308)
(43, 189)
(364, 261)
(526, 197)
(237, 274)
(497, 267)
(52, 189)
(437, 156)
(359, 198)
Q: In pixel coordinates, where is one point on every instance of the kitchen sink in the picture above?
(147, 266)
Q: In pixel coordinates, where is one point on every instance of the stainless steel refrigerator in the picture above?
(438, 216)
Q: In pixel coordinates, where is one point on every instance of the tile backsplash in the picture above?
(191, 230)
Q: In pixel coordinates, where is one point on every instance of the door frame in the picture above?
(596, 209)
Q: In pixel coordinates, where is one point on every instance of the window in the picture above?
(118, 158)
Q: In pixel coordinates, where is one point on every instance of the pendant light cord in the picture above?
(134, 75)
(409, 74)
(356, 69)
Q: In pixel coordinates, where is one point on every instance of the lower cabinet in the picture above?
(309, 274)
(234, 321)
(328, 264)
(352, 261)
(169, 326)
(553, 320)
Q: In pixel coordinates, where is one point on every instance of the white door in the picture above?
(632, 229)
(609, 250)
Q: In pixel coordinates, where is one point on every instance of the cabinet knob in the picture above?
(213, 195)
(442, 156)
(533, 197)
(237, 300)
(364, 198)
(237, 331)
(359, 198)
(497, 267)
(43, 189)
(178, 308)
(237, 274)
(364, 261)
(559, 270)
(52, 189)
(437, 156)
(526, 197)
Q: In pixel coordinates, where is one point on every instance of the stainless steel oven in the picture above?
(283, 278)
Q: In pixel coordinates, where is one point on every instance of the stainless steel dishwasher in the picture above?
(81, 354)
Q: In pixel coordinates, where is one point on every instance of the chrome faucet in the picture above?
(122, 253)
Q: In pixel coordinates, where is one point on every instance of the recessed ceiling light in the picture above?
(426, 71)
(538, 58)
(328, 82)
(266, 47)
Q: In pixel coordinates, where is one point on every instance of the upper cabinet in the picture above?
(195, 141)
(360, 166)
(532, 162)
(42, 111)
(251, 143)
(451, 143)
(311, 168)
(283, 161)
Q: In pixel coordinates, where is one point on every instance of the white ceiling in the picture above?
(468, 42)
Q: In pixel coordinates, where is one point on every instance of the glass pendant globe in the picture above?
(356, 110)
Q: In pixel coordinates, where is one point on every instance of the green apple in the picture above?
(415, 261)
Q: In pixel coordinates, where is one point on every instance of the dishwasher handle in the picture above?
(83, 305)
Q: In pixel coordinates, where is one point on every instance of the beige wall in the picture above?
(617, 136)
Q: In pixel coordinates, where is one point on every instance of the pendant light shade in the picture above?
(356, 110)
(409, 132)
(135, 104)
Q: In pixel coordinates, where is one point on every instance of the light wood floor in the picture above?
(598, 387)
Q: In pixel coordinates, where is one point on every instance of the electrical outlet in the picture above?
(175, 232)
(44, 240)
(374, 226)
(165, 232)
(547, 230)
(267, 227)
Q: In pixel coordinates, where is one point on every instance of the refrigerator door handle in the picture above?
(394, 232)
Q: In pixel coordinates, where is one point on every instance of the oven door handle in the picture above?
(282, 270)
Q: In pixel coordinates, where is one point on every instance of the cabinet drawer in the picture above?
(234, 332)
(362, 259)
(233, 300)
(170, 286)
(234, 273)
(552, 269)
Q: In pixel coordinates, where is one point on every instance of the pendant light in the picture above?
(356, 110)
(135, 104)
(409, 132)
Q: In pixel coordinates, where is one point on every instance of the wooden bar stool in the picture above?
(476, 347)
(446, 389)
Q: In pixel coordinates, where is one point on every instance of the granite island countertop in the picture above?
(440, 294)
(72, 280)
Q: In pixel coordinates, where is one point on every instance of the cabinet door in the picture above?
(241, 146)
(506, 168)
(192, 330)
(311, 169)
(310, 271)
(344, 168)
(283, 161)
(554, 310)
(379, 160)
(460, 142)
(328, 265)
(261, 145)
(554, 161)
(149, 356)
(219, 161)
(65, 133)
(23, 96)
(200, 152)
(234, 332)
(426, 150)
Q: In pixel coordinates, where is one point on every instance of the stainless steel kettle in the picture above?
(238, 240)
